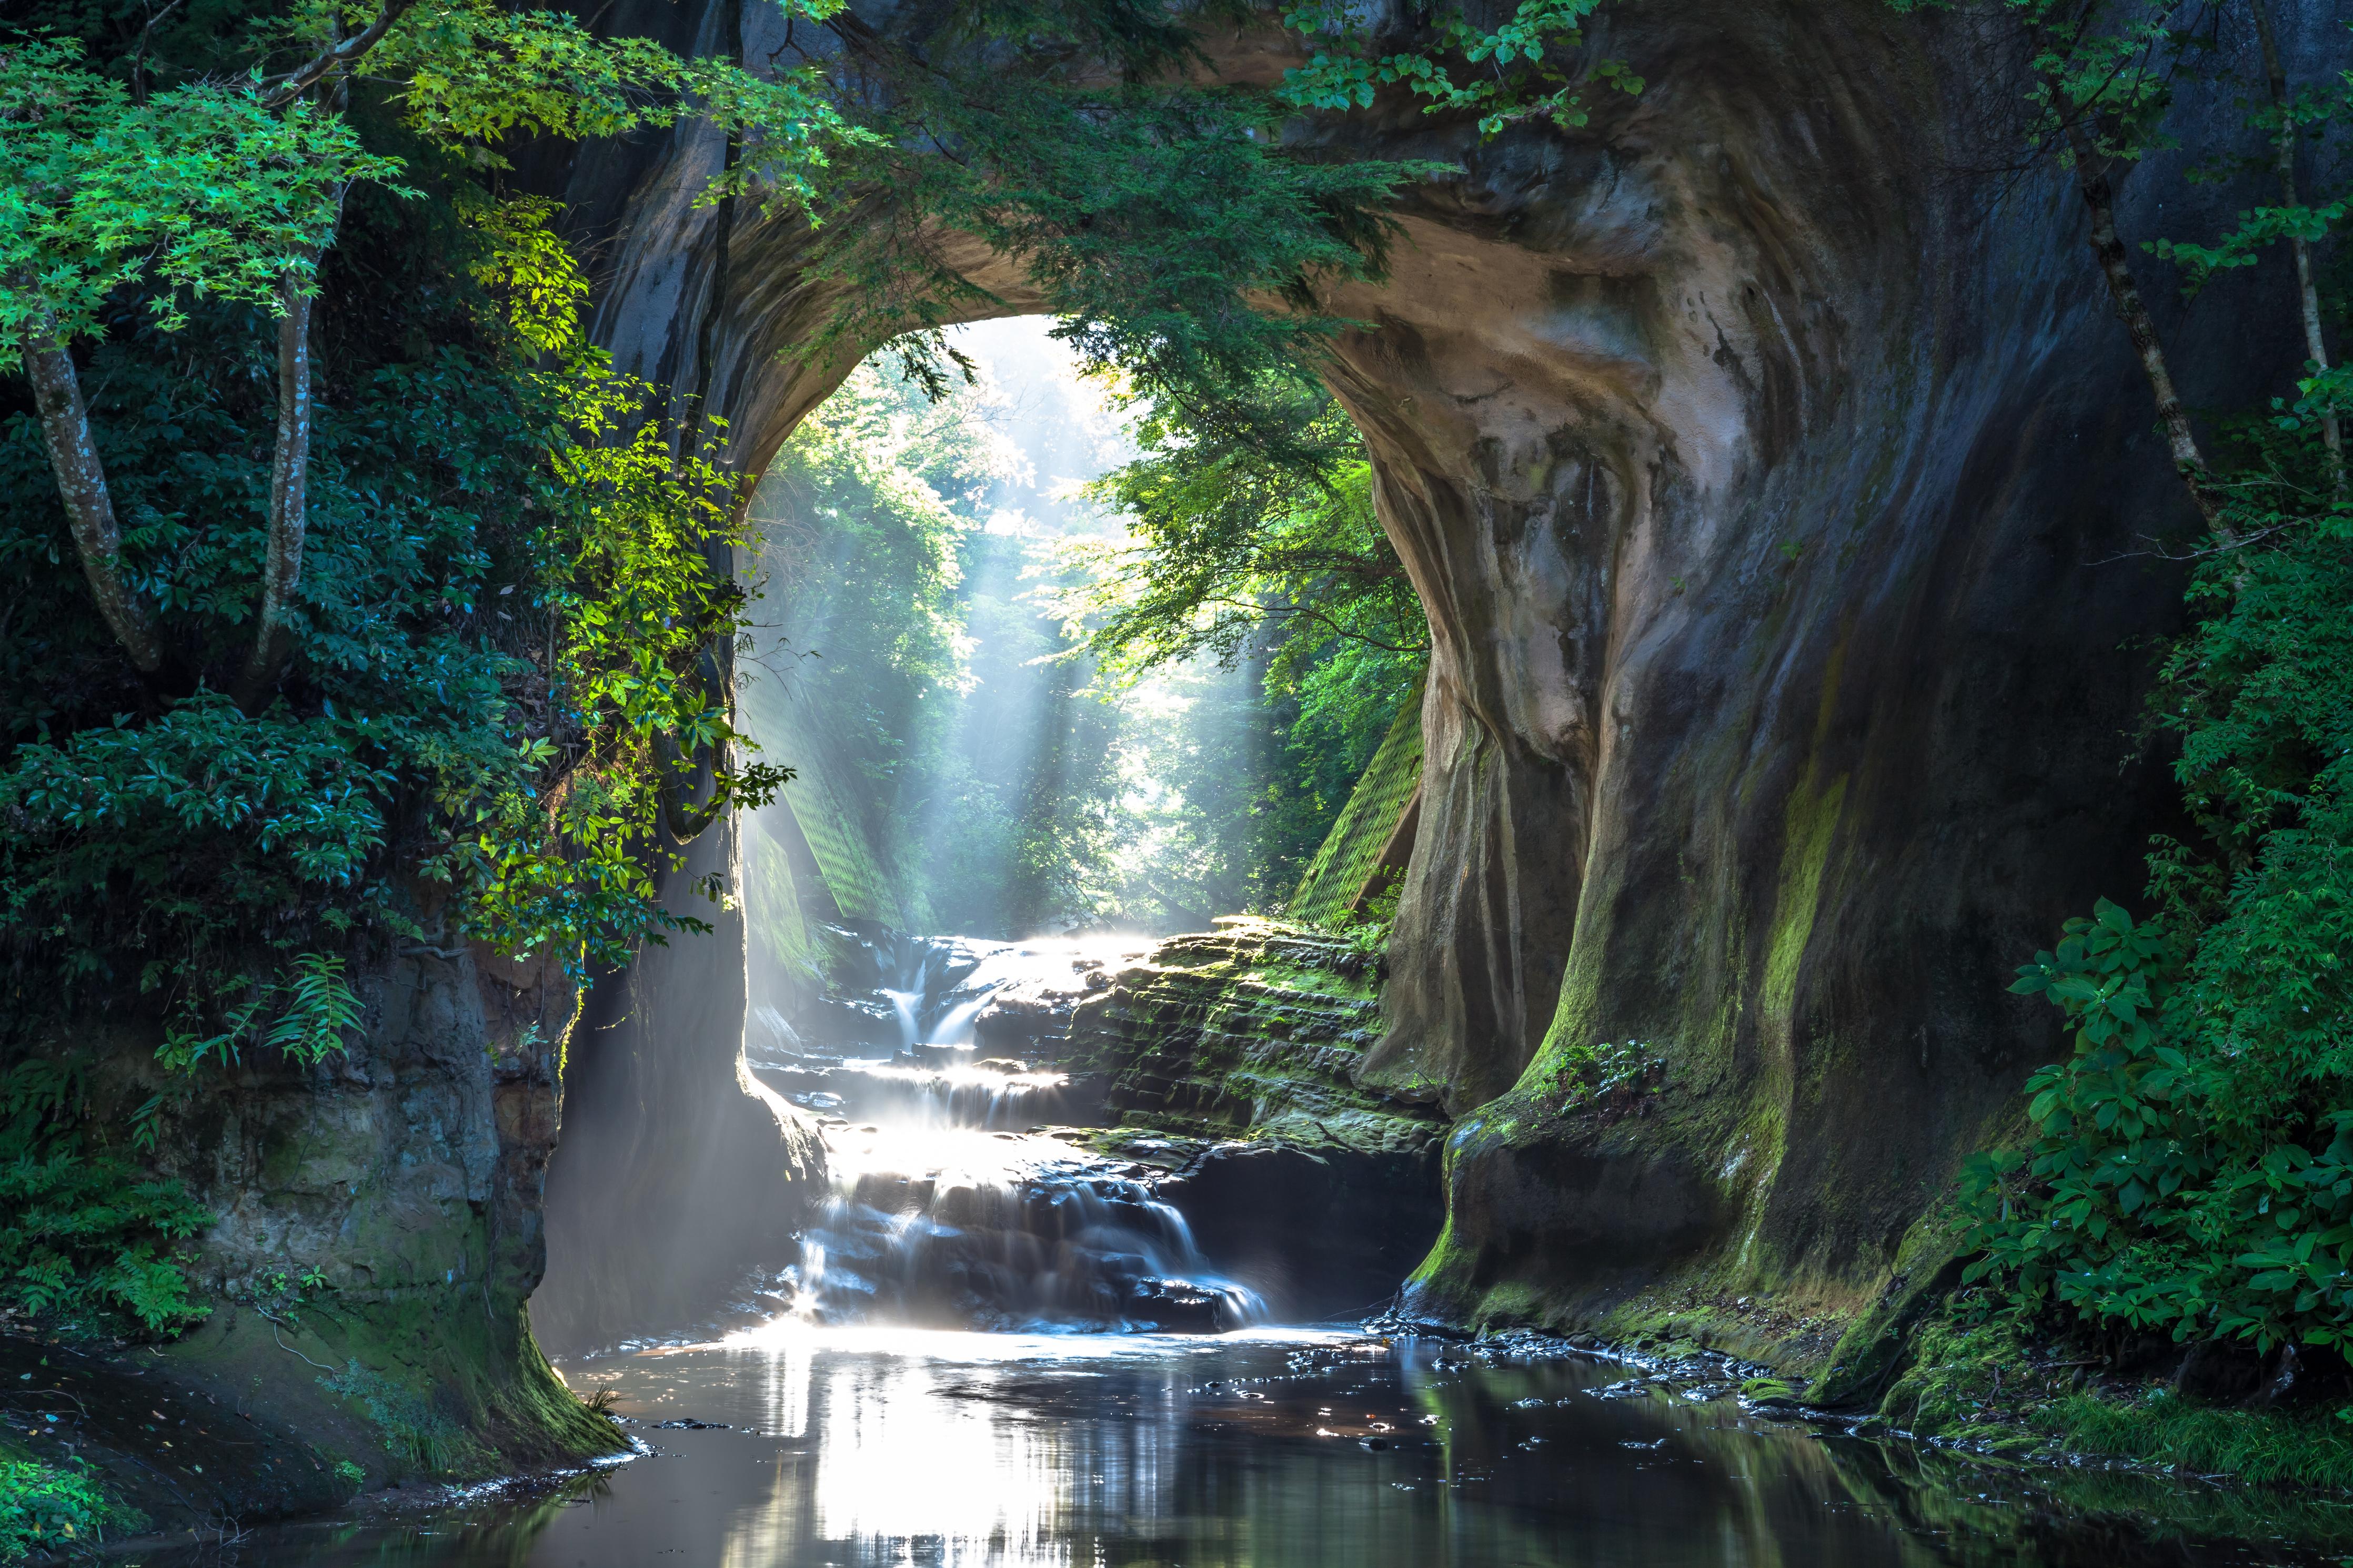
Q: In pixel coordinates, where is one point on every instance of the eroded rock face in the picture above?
(1770, 478)
(377, 1230)
(1774, 487)
(409, 1163)
(677, 1174)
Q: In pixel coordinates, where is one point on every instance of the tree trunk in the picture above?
(2092, 181)
(2283, 148)
(81, 485)
(282, 567)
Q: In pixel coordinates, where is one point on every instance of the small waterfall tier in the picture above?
(963, 1195)
(955, 1227)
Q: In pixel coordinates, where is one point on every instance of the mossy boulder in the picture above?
(1231, 1055)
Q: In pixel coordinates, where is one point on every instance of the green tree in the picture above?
(212, 191)
(1505, 75)
(2190, 1168)
(1268, 557)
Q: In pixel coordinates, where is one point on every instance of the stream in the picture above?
(999, 1346)
(963, 1193)
(794, 1447)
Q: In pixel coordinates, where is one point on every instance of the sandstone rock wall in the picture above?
(1778, 487)
(678, 1175)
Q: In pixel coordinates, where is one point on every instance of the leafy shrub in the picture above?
(49, 1510)
(2193, 1165)
(500, 644)
(1588, 1075)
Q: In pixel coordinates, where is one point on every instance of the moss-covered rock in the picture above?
(1231, 1055)
(1255, 1027)
(375, 1233)
(1366, 850)
(824, 827)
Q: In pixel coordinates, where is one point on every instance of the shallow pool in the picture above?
(1273, 1448)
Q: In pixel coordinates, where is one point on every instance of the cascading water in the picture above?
(954, 1204)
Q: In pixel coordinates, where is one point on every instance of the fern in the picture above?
(320, 1006)
(84, 1235)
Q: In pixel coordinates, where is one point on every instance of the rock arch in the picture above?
(1755, 462)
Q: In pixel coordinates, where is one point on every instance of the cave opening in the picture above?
(998, 808)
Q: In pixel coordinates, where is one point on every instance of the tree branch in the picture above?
(1268, 611)
(2099, 196)
(81, 485)
(139, 62)
(340, 53)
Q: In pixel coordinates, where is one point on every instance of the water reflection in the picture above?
(1264, 1449)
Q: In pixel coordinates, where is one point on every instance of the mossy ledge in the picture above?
(1232, 1054)
(1253, 1029)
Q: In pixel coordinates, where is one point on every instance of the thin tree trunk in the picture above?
(717, 663)
(282, 567)
(90, 506)
(2092, 182)
(2284, 148)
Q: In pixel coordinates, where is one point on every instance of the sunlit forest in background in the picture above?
(934, 577)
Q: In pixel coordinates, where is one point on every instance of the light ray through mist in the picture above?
(965, 766)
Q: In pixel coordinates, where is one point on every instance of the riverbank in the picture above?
(250, 1419)
(2105, 1440)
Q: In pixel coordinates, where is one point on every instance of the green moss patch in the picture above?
(1986, 1384)
(832, 810)
(1337, 878)
(1257, 1028)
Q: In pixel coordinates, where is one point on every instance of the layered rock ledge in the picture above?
(1231, 1055)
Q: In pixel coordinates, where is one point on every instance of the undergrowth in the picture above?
(411, 1427)
(1989, 1382)
(43, 1508)
(86, 1238)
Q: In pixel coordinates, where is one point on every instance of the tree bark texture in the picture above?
(90, 506)
(2283, 148)
(2099, 196)
(282, 567)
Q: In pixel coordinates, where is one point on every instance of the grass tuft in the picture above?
(1983, 1382)
(2268, 1447)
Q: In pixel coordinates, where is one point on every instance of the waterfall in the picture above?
(903, 1008)
(956, 1228)
(962, 1195)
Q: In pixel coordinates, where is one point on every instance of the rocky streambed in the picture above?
(1178, 1143)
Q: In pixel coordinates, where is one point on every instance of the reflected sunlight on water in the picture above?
(917, 1449)
(795, 1446)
